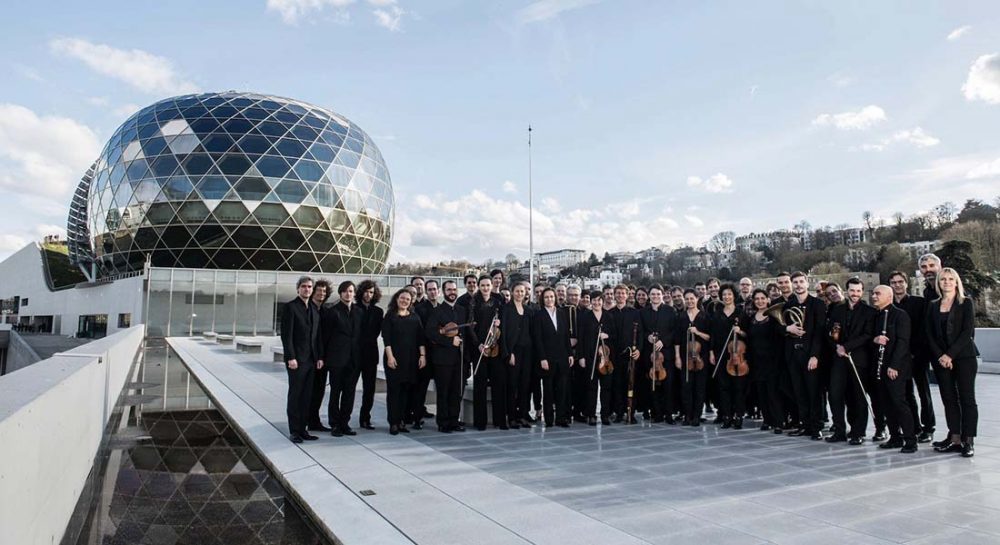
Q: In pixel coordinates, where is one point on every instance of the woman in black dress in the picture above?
(515, 323)
(692, 325)
(403, 335)
(763, 346)
(590, 322)
(951, 331)
(726, 329)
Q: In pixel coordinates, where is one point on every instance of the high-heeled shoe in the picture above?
(951, 447)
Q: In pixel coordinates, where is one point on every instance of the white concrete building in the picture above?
(561, 258)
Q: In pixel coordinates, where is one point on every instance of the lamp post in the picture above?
(191, 325)
(531, 231)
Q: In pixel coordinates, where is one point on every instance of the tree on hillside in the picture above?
(958, 255)
(722, 242)
(827, 267)
(977, 210)
(985, 240)
(944, 213)
(891, 258)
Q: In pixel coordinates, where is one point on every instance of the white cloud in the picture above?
(840, 79)
(388, 15)
(958, 32)
(716, 183)
(140, 69)
(863, 119)
(293, 10)
(126, 110)
(44, 155)
(12, 243)
(509, 187)
(98, 101)
(455, 228)
(989, 169)
(543, 10)
(983, 82)
(915, 136)
(695, 221)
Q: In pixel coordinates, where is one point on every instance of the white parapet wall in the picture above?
(52, 420)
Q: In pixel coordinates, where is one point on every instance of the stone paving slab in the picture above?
(646, 483)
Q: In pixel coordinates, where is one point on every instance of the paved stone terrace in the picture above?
(644, 484)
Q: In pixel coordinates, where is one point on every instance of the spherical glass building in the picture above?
(235, 181)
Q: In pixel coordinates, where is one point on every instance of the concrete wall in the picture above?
(988, 342)
(52, 420)
(22, 275)
(19, 353)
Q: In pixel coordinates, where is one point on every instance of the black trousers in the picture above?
(958, 394)
(846, 391)
(871, 386)
(368, 375)
(449, 385)
(499, 373)
(343, 382)
(580, 377)
(732, 394)
(555, 392)
(921, 381)
(418, 401)
(300, 395)
(520, 383)
(619, 387)
(318, 393)
(693, 393)
(600, 385)
(806, 386)
(663, 397)
(397, 399)
(769, 396)
(899, 419)
(480, 382)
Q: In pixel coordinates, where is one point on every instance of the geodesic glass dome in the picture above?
(235, 181)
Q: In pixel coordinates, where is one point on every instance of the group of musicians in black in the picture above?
(792, 359)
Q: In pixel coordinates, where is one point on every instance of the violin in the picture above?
(657, 372)
(694, 360)
(451, 329)
(737, 365)
(602, 357)
(491, 348)
(835, 332)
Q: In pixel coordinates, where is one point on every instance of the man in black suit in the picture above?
(893, 369)
(320, 293)
(625, 328)
(300, 325)
(915, 307)
(342, 323)
(418, 408)
(447, 354)
(851, 328)
(803, 344)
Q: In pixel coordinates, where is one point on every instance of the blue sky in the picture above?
(655, 122)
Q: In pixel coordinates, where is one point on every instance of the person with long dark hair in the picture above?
(692, 329)
(725, 331)
(515, 323)
(951, 332)
(487, 370)
(403, 336)
(764, 345)
(550, 331)
(368, 297)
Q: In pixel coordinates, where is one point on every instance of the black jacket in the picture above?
(587, 345)
(660, 323)
(815, 323)
(958, 340)
(442, 348)
(515, 330)
(483, 312)
(300, 327)
(624, 321)
(897, 328)
(551, 343)
(857, 329)
(371, 328)
(342, 335)
(915, 307)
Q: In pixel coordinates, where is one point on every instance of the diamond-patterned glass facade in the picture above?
(240, 181)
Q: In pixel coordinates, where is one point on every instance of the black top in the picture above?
(405, 335)
(623, 321)
(483, 312)
(342, 335)
(371, 327)
(660, 323)
(764, 341)
(589, 324)
(957, 338)
(515, 329)
(443, 349)
(702, 323)
(721, 324)
(930, 291)
(915, 307)
(857, 329)
(897, 328)
(551, 342)
(300, 327)
(815, 320)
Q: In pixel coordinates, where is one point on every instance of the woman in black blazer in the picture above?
(550, 332)
(951, 329)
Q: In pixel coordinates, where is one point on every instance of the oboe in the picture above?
(881, 347)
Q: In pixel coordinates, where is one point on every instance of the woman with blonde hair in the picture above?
(951, 330)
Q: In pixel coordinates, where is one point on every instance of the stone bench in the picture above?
(208, 335)
(279, 354)
(224, 339)
(249, 345)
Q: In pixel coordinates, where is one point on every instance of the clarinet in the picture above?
(881, 347)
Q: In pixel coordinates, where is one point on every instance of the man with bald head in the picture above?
(894, 362)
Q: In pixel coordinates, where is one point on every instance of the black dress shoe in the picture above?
(836, 438)
(950, 447)
(309, 437)
(591, 421)
(562, 423)
(633, 420)
(549, 425)
(481, 428)
(670, 421)
(444, 429)
(418, 425)
(797, 432)
(718, 420)
(879, 435)
(968, 449)
(856, 441)
(515, 425)
(737, 423)
(909, 447)
(318, 427)
(726, 423)
(428, 415)
(605, 421)
(925, 437)
(531, 419)
(458, 427)
(347, 430)
(503, 427)
(618, 419)
(777, 431)
(895, 442)
(765, 427)
(366, 425)
(393, 430)
(403, 429)
(942, 443)
(818, 436)
(295, 438)
(336, 432)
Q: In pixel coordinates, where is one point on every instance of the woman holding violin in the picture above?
(516, 343)
(488, 368)
(691, 357)
(595, 346)
(727, 359)
(764, 345)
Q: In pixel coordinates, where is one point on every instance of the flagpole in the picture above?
(531, 232)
